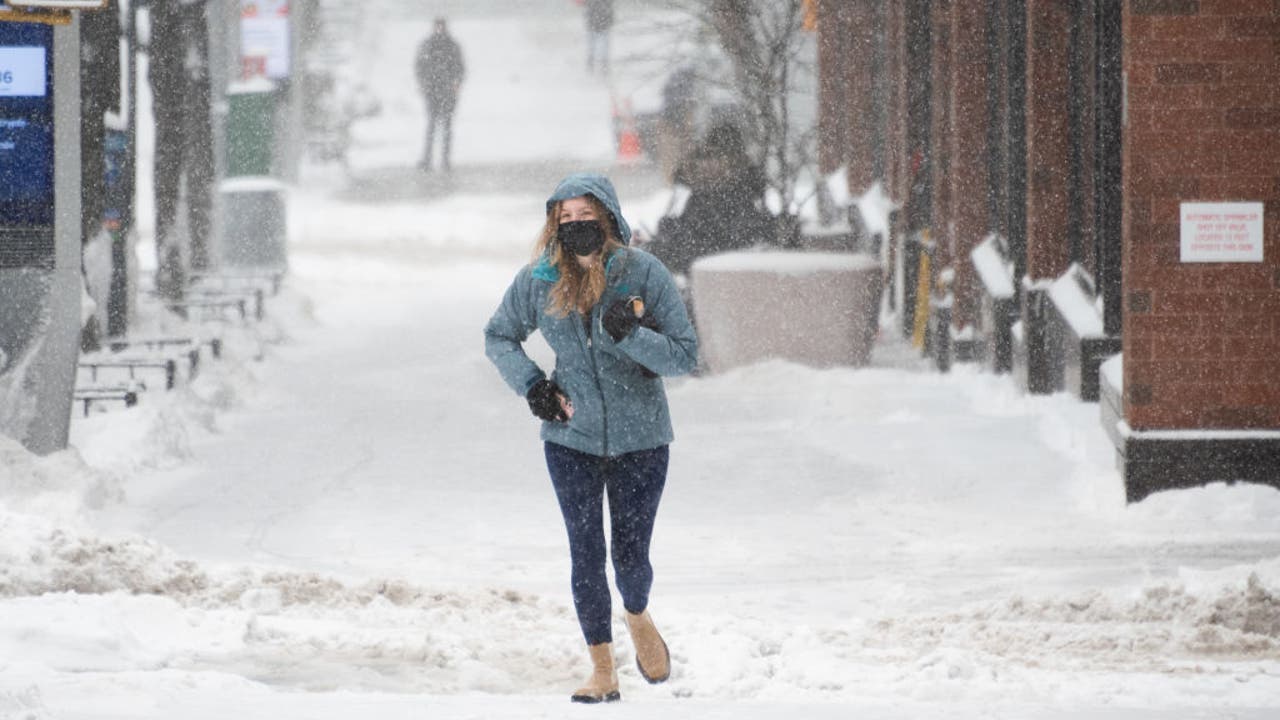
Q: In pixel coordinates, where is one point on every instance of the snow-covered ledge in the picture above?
(1077, 308)
(815, 308)
(1079, 333)
(994, 271)
(999, 309)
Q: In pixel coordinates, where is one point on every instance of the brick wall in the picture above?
(860, 124)
(833, 59)
(939, 133)
(1201, 340)
(897, 155)
(968, 152)
(1048, 139)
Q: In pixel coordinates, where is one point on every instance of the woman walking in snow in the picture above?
(614, 318)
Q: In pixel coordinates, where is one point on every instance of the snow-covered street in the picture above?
(350, 514)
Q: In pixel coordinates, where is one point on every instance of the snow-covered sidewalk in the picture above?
(364, 514)
(349, 515)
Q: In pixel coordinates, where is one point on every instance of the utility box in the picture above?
(254, 229)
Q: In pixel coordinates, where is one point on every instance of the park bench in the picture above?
(89, 396)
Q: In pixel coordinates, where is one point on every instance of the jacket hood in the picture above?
(599, 187)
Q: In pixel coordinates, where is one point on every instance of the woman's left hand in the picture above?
(622, 317)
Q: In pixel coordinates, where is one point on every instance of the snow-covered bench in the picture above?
(133, 368)
(89, 396)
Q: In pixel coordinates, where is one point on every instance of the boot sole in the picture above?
(593, 699)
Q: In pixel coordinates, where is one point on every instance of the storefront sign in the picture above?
(26, 145)
(264, 33)
(1222, 232)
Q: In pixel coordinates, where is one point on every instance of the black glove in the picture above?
(544, 401)
(620, 319)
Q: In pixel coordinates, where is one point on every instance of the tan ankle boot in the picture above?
(602, 686)
(652, 657)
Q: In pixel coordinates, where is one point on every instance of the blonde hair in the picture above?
(578, 288)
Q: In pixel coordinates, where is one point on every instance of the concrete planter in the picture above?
(815, 308)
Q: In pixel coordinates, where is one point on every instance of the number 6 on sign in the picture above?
(22, 71)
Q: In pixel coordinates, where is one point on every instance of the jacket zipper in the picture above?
(591, 334)
(589, 341)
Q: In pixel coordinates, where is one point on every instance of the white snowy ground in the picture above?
(348, 517)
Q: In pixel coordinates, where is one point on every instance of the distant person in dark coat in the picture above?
(725, 209)
(676, 123)
(440, 69)
(599, 22)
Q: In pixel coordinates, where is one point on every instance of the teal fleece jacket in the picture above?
(618, 408)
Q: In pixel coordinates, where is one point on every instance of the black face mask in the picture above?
(581, 237)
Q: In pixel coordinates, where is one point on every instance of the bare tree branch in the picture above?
(763, 42)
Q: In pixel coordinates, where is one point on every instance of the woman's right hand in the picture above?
(548, 402)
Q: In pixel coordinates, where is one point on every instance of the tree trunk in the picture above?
(184, 140)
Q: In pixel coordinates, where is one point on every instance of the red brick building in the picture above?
(1083, 177)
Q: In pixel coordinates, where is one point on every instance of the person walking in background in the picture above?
(439, 69)
(614, 318)
(676, 122)
(599, 15)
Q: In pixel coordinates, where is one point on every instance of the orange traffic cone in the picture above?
(629, 144)
(629, 150)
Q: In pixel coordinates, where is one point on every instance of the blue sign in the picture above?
(26, 145)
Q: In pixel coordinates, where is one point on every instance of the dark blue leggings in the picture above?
(634, 482)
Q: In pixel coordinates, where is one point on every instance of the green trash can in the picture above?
(251, 110)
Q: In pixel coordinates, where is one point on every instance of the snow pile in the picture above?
(160, 431)
(57, 485)
(1160, 629)
(46, 545)
(25, 704)
(1018, 649)
(1211, 512)
(17, 402)
(42, 557)
(131, 606)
